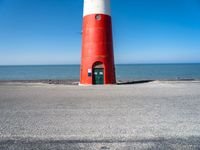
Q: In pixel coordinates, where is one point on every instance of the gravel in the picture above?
(154, 115)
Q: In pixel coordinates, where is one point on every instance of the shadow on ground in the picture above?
(133, 82)
(191, 143)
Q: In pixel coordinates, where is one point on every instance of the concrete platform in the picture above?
(154, 115)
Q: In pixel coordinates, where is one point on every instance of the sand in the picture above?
(153, 115)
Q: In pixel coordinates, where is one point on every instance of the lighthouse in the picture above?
(97, 58)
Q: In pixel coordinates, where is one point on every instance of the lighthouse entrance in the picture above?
(98, 73)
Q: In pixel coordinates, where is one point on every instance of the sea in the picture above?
(123, 72)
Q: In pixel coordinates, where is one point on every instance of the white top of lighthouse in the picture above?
(96, 7)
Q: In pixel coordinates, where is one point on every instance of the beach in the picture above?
(149, 115)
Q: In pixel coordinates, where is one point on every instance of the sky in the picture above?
(34, 32)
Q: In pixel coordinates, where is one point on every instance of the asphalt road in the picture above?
(155, 115)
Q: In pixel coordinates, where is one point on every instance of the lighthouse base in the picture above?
(97, 60)
(98, 73)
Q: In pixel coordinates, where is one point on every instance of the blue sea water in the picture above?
(123, 72)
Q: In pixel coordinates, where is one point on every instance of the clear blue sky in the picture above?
(145, 31)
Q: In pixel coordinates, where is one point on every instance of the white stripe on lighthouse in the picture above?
(96, 7)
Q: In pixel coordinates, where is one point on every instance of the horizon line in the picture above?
(115, 64)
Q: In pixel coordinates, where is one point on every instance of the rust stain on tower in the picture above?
(97, 61)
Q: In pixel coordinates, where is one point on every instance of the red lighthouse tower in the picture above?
(97, 62)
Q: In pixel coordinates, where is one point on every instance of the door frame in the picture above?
(97, 65)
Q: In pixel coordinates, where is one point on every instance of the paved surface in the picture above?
(156, 115)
